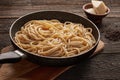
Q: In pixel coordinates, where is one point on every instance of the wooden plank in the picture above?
(49, 2)
(5, 25)
(70, 2)
(101, 67)
(60, 2)
(16, 12)
(61, 7)
(15, 2)
(112, 48)
(25, 70)
(4, 40)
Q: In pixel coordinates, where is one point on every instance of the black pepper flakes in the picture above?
(113, 33)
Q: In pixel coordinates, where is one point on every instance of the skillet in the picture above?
(18, 53)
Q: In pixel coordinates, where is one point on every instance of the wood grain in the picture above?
(49, 2)
(105, 66)
(25, 70)
(12, 11)
(101, 67)
(17, 8)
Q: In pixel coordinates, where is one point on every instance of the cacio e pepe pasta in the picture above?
(54, 38)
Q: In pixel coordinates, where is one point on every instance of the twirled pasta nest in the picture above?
(53, 38)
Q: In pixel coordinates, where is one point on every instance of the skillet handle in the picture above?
(10, 57)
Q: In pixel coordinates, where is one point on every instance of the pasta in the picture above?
(53, 38)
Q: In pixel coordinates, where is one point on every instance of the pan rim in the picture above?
(23, 50)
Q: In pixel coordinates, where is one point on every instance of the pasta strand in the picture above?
(53, 38)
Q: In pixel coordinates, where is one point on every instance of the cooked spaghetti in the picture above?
(53, 38)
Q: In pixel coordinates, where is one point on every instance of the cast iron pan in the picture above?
(18, 54)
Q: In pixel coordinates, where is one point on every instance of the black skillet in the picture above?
(18, 54)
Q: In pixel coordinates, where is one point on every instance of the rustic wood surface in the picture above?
(25, 70)
(105, 66)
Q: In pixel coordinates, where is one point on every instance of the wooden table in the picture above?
(105, 66)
